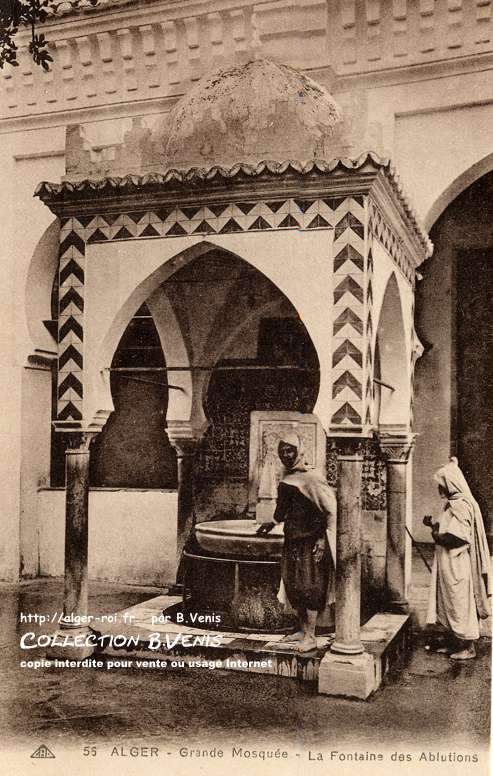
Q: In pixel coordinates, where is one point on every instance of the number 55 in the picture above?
(89, 751)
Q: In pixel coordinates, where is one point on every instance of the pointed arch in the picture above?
(393, 366)
(132, 286)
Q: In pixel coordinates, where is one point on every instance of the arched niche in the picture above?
(392, 369)
(39, 296)
(132, 449)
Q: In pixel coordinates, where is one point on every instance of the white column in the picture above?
(396, 452)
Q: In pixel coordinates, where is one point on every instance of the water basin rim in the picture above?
(231, 528)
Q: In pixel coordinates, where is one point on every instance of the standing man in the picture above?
(307, 507)
(461, 579)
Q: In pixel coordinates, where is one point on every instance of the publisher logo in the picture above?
(42, 753)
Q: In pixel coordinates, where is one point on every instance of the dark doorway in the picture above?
(475, 374)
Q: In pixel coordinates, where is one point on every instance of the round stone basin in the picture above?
(238, 538)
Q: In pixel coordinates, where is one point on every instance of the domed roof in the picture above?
(259, 111)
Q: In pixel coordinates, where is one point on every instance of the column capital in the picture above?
(349, 448)
(79, 441)
(396, 448)
(185, 436)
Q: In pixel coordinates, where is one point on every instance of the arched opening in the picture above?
(268, 252)
(454, 378)
(244, 347)
(249, 351)
(460, 184)
(132, 450)
(392, 381)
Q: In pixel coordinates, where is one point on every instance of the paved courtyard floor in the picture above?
(431, 704)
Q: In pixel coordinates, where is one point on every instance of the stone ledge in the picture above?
(386, 638)
(234, 648)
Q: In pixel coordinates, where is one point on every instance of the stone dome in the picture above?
(255, 112)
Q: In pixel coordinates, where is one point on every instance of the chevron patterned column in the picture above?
(348, 322)
(71, 321)
(370, 344)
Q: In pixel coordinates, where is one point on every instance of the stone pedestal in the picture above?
(348, 552)
(73, 631)
(396, 452)
(352, 676)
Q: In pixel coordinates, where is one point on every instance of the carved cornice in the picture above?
(171, 44)
(357, 175)
(127, 51)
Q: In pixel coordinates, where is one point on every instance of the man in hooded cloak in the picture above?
(461, 575)
(307, 507)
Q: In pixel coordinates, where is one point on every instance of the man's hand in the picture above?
(265, 528)
(318, 550)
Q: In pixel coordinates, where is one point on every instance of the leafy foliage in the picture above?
(15, 14)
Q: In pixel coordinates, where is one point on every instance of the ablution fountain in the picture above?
(230, 570)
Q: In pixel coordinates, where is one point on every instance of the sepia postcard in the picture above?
(247, 374)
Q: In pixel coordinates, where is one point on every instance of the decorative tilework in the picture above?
(382, 231)
(71, 320)
(374, 478)
(348, 319)
(227, 218)
(368, 165)
(373, 475)
(369, 388)
(356, 220)
(331, 464)
(352, 219)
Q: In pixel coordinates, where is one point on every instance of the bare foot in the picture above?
(308, 644)
(298, 636)
(464, 654)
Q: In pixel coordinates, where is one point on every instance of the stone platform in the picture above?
(386, 639)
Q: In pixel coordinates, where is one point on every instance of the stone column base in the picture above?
(72, 644)
(351, 675)
(386, 638)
